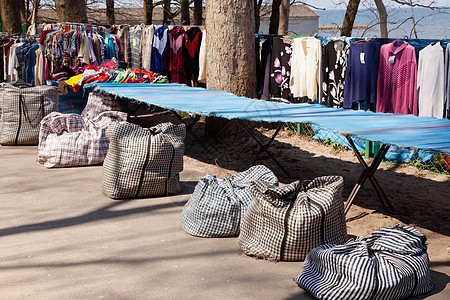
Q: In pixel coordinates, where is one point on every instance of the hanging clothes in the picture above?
(334, 67)
(145, 49)
(202, 59)
(134, 57)
(361, 73)
(430, 81)
(123, 35)
(306, 67)
(30, 63)
(280, 72)
(193, 40)
(159, 45)
(177, 37)
(397, 79)
(266, 56)
(447, 80)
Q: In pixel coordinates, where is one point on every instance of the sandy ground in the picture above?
(60, 238)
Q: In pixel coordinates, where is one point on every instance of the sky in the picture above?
(333, 3)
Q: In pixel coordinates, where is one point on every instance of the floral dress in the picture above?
(280, 70)
(334, 66)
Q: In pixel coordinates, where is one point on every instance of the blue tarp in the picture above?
(393, 129)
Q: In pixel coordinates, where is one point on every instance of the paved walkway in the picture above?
(61, 238)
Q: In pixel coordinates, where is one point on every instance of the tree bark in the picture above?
(10, 12)
(71, 11)
(148, 12)
(349, 19)
(34, 12)
(110, 17)
(274, 17)
(383, 18)
(283, 24)
(23, 12)
(185, 17)
(198, 12)
(231, 64)
(167, 16)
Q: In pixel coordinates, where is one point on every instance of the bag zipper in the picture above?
(170, 170)
(147, 157)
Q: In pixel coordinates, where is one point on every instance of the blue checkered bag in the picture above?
(217, 205)
(391, 264)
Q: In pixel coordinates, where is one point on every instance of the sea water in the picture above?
(432, 25)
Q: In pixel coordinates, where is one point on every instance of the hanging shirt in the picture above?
(193, 39)
(146, 46)
(123, 35)
(447, 80)
(176, 58)
(334, 66)
(397, 79)
(361, 73)
(14, 64)
(39, 78)
(159, 50)
(306, 67)
(280, 72)
(430, 81)
(266, 55)
(134, 58)
(202, 59)
(30, 63)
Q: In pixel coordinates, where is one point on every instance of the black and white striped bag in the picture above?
(285, 223)
(21, 110)
(98, 103)
(143, 161)
(391, 264)
(217, 205)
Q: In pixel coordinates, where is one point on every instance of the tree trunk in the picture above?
(34, 12)
(10, 12)
(383, 18)
(231, 64)
(198, 12)
(23, 12)
(71, 11)
(284, 17)
(349, 19)
(257, 16)
(185, 18)
(167, 16)
(274, 17)
(110, 18)
(148, 12)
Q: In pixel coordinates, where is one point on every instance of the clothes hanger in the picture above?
(366, 40)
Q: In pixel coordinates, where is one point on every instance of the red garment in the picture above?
(43, 35)
(176, 59)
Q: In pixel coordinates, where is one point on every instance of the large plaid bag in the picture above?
(21, 110)
(68, 140)
(217, 205)
(143, 161)
(285, 223)
(391, 264)
(98, 103)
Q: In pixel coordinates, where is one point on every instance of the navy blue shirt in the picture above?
(361, 73)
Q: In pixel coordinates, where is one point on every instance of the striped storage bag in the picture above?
(217, 205)
(143, 162)
(21, 110)
(68, 140)
(391, 264)
(284, 223)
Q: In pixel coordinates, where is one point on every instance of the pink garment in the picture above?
(397, 78)
(176, 59)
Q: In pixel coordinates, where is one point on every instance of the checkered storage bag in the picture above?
(391, 264)
(68, 140)
(98, 103)
(22, 108)
(143, 161)
(285, 223)
(217, 205)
